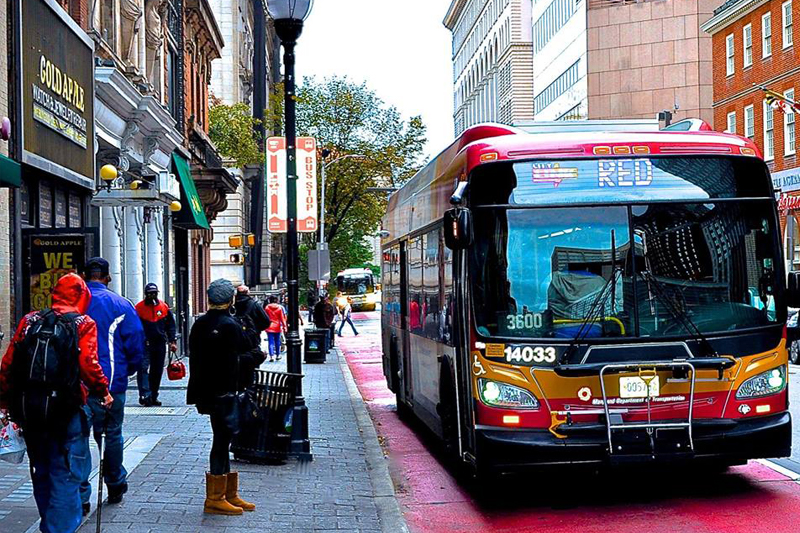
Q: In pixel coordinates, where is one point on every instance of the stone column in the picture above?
(155, 249)
(134, 280)
(111, 250)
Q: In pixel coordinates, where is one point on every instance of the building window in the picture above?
(747, 40)
(108, 23)
(731, 122)
(729, 54)
(559, 86)
(554, 17)
(787, 24)
(769, 132)
(788, 126)
(766, 35)
(749, 122)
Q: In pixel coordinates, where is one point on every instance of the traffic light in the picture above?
(238, 240)
(237, 259)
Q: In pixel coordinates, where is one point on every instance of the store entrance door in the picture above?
(182, 294)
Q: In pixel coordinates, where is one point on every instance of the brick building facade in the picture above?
(753, 46)
(649, 56)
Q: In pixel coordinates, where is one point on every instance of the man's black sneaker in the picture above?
(147, 402)
(157, 403)
(115, 493)
(87, 508)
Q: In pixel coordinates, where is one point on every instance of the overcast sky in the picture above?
(400, 48)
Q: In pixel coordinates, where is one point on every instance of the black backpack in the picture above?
(45, 383)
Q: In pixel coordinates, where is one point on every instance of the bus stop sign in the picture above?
(319, 265)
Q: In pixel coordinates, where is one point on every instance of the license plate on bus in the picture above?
(636, 387)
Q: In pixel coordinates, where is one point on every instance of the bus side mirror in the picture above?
(457, 228)
(793, 289)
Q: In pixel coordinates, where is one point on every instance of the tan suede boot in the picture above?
(215, 497)
(232, 493)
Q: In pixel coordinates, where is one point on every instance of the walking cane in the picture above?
(100, 473)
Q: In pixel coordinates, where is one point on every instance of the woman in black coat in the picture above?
(216, 343)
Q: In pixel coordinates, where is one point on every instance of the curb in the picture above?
(389, 513)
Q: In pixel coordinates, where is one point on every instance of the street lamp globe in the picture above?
(288, 16)
(289, 9)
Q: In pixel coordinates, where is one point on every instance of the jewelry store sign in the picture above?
(57, 92)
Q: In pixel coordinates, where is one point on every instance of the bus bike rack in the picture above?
(649, 426)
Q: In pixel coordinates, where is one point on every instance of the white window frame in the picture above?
(787, 24)
(730, 53)
(766, 35)
(789, 128)
(747, 45)
(769, 147)
(750, 123)
(731, 118)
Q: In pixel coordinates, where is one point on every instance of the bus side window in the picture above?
(415, 288)
(446, 320)
(386, 282)
(396, 317)
(431, 284)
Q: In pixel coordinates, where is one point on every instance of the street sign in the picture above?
(307, 218)
(307, 185)
(276, 185)
(319, 265)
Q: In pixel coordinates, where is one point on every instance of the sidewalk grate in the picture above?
(161, 411)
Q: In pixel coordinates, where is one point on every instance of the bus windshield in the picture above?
(356, 284)
(633, 270)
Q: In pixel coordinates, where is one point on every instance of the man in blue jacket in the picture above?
(120, 348)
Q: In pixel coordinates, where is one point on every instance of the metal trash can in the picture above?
(316, 345)
(266, 435)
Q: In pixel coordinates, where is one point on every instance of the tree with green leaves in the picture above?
(231, 129)
(349, 118)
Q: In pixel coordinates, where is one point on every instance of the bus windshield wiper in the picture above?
(597, 307)
(687, 322)
(599, 303)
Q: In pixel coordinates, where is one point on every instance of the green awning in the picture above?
(191, 215)
(10, 172)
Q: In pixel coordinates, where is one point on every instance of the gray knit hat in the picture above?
(220, 291)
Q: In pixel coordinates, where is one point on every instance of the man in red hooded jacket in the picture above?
(57, 457)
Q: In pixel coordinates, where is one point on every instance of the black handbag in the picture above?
(249, 411)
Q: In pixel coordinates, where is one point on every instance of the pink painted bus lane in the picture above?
(434, 499)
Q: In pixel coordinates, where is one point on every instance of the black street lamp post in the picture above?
(289, 16)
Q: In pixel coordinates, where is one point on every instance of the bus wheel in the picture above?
(794, 353)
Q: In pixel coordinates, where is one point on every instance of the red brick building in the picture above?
(755, 44)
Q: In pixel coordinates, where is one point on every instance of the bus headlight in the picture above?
(498, 394)
(763, 384)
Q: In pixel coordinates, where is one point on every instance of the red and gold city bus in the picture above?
(589, 297)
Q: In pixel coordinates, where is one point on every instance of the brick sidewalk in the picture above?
(167, 488)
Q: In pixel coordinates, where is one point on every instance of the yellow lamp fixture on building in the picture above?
(108, 173)
(175, 206)
(136, 184)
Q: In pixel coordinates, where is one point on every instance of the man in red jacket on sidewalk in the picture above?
(57, 451)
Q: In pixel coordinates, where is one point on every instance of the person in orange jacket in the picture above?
(57, 443)
(160, 332)
(277, 325)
